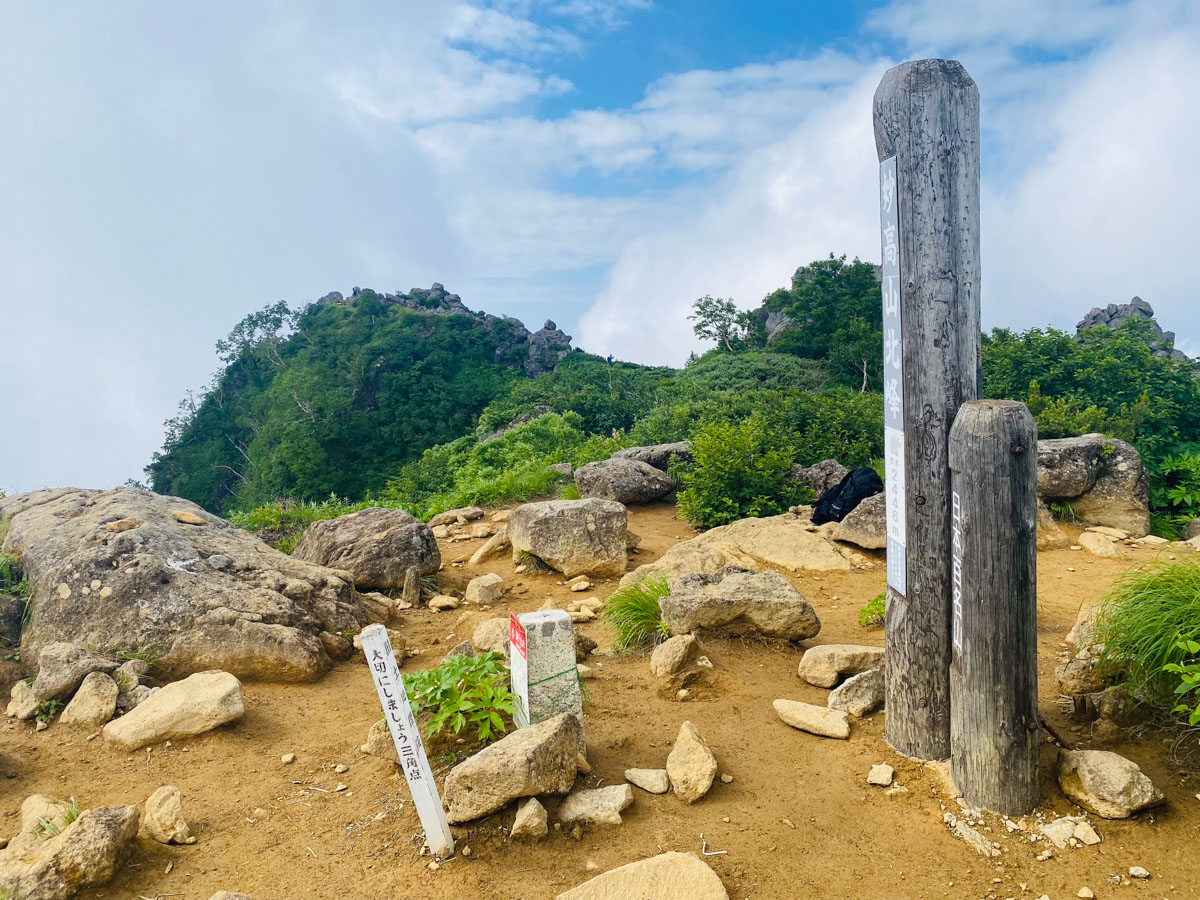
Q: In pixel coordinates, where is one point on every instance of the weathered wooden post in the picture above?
(993, 674)
(927, 137)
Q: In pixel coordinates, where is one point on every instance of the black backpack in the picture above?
(837, 502)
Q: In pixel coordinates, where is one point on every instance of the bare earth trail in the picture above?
(802, 822)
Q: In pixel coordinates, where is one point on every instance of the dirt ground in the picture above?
(798, 819)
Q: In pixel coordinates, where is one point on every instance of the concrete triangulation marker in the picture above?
(542, 664)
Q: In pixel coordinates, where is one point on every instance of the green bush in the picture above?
(740, 471)
(282, 522)
(1144, 616)
(464, 690)
(874, 613)
(1188, 672)
(634, 613)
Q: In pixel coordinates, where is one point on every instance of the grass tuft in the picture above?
(1145, 615)
(635, 613)
(48, 827)
(873, 613)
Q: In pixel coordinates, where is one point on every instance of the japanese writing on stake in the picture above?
(893, 380)
(956, 551)
(403, 724)
(518, 668)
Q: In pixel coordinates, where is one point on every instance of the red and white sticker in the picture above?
(518, 668)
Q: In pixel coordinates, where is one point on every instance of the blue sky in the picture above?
(169, 168)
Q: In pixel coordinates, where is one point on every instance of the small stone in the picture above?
(1085, 893)
(164, 820)
(581, 586)
(881, 775)
(859, 694)
(726, 778)
(341, 769)
(597, 806)
(341, 787)
(671, 655)
(185, 517)
(443, 602)
(1138, 872)
(530, 823)
(1086, 834)
(814, 719)
(1045, 855)
(682, 694)
(691, 765)
(40, 726)
(654, 781)
(704, 662)
(288, 758)
(466, 851)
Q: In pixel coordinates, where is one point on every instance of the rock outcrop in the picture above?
(738, 601)
(658, 455)
(1115, 315)
(574, 537)
(627, 481)
(39, 865)
(1102, 478)
(819, 477)
(374, 545)
(118, 569)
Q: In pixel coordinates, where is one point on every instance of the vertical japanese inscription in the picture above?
(893, 380)
(518, 668)
(407, 737)
(956, 586)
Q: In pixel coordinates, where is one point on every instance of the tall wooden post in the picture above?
(993, 673)
(927, 137)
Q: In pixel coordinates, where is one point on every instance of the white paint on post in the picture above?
(893, 379)
(956, 590)
(407, 737)
(518, 668)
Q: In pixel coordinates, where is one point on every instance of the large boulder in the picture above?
(540, 759)
(626, 481)
(1106, 783)
(819, 477)
(1190, 530)
(866, 525)
(669, 876)
(575, 537)
(786, 541)
(374, 545)
(197, 704)
(125, 569)
(659, 455)
(38, 865)
(739, 602)
(1102, 478)
(62, 667)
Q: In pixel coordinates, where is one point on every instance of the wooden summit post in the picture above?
(994, 733)
(927, 135)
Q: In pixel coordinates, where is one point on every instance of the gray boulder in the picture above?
(197, 704)
(1102, 478)
(866, 525)
(626, 481)
(1106, 783)
(39, 866)
(122, 569)
(574, 537)
(62, 668)
(824, 665)
(1190, 530)
(659, 455)
(739, 601)
(375, 545)
(859, 694)
(819, 477)
(595, 806)
(540, 759)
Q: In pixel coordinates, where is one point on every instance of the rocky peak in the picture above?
(1162, 343)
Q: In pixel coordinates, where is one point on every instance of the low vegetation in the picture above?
(51, 826)
(873, 614)
(464, 691)
(1148, 624)
(634, 613)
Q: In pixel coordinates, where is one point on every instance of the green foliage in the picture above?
(12, 579)
(1063, 511)
(740, 471)
(50, 826)
(838, 311)
(1144, 617)
(464, 690)
(733, 329)
(1188, 672)
(147, 653)
(512, 467)
(874, 612)
(47, 710)
(1109, 381)
(330, 400)
(634, 612)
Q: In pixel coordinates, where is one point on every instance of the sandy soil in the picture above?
(798, 819)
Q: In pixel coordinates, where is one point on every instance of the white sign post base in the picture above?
(407, 737)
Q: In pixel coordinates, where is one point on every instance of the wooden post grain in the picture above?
(994, 733)
(926, 116)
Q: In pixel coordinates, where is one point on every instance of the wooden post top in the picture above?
(919, 76)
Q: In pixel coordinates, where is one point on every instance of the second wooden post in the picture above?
(994, 734)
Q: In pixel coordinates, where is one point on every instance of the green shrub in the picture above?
(1188, 672)
(47, 710)
(1144, 617)
(464, 690)
(873, 614)
(282, 522)
(740, 471)
(634, 612)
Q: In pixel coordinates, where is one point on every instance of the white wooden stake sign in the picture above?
(407, 737)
